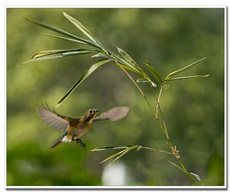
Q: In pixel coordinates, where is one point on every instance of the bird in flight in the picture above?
(75, 128)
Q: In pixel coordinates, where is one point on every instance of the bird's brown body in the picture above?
(79, 127)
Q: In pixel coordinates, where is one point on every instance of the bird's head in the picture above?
(90, 114)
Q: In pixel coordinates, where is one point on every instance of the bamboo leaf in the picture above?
(82, 78)
(114, 155)
(185, 68)
(109, 147)
(144, 80)
(65, 38)
(82, 28)
(158, 76)
(119, 156)
(128, 58)
(193, 176)
(187, 77)
(130, 68)
(197, 177)
(51, 54)
(60, 31)
(153, 84)
(101, 55)
(123, 152)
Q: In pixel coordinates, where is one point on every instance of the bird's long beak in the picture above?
(97, 110)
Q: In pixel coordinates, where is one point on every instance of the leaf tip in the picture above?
(66, 15)
(58, 104)
(27, 19)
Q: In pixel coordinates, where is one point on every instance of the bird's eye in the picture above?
(91, 111)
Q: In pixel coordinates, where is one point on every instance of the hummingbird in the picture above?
(75, 128)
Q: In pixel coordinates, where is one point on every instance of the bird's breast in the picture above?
(79, 130)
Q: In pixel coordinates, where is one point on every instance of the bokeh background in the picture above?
(169, 38)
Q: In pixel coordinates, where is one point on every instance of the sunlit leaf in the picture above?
(185, 68)
(119, 156)
(82, 28)
(153, 84)
(114, 155)
(122, 153)
(187, 77)
(109, 147)
(51, 54)
(100, 55)
(82, 78)
(196, 176)
(144, 80)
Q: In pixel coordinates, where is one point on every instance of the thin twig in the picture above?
(134, 82)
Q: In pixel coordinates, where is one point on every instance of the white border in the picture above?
(87, 4)
(117, 3)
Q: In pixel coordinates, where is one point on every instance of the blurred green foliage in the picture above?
(169, 38)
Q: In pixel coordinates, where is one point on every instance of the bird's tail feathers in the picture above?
(58, 141)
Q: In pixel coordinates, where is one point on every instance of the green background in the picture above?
(169, 38)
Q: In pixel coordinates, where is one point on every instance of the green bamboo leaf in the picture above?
(185, 68)
(38, 58)
(82, 28)
(144, 80)
(153, 84)
(123, 152)
(51, 54)
(128, 58)
(158, 76)
(130, 68)
(65, 38)
(193, 176)
(119, 156)
(101, 55)
(60, 31)
(114, 155)
(79, 52)
(109, 147)
(187, 77)
(197, 177)
(82, 78)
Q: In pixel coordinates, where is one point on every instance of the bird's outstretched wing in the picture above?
(52, 119)
(114, 114)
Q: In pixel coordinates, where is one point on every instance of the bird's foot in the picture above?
(81, 143)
